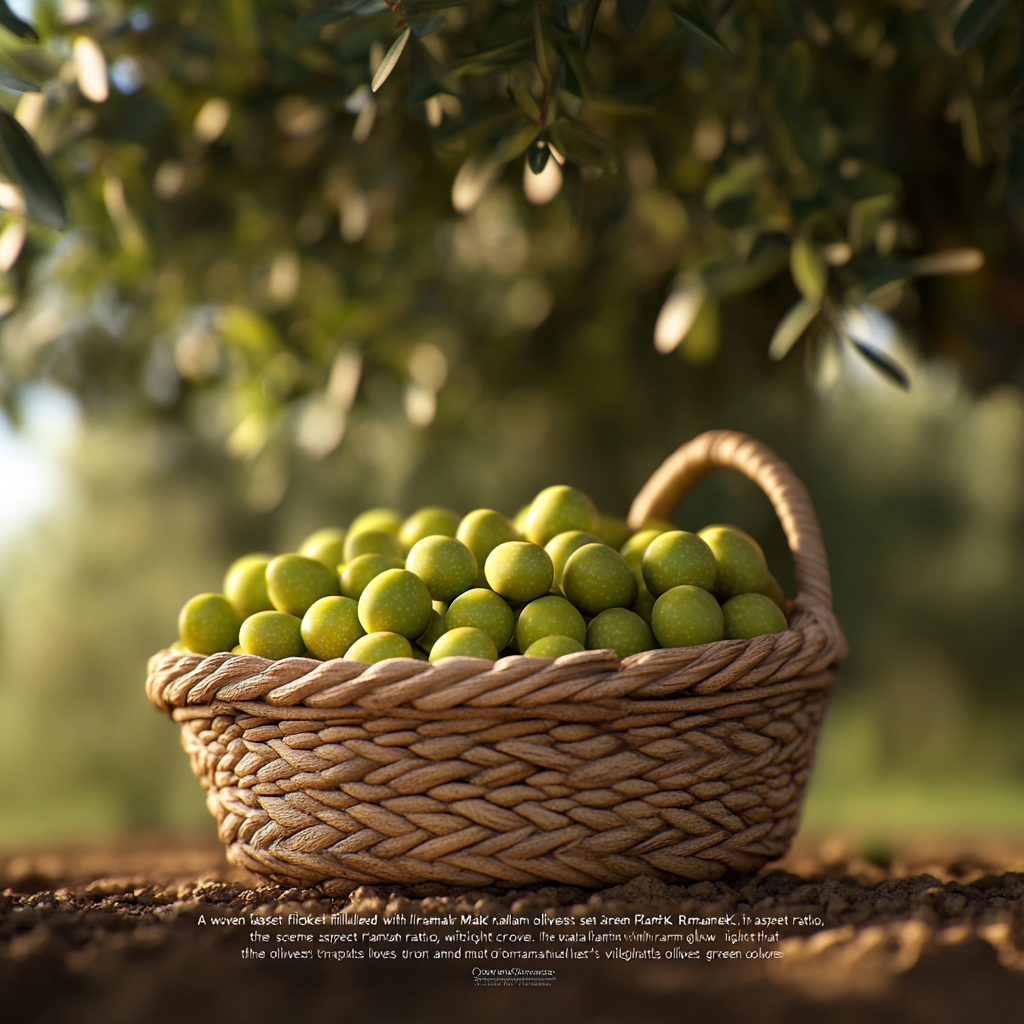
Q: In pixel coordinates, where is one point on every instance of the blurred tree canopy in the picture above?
(260, 217)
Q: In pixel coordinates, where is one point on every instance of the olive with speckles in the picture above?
(687, 616)
(294, 582)
(464, 642)
(677, 558)
(633, 551)
(331, 626)
(445, 564)
(379, 646)
(553, 647)
(561, 546)
(372, 542)
(245, 584)
(519, 571)
(483, 530)
(620, 630)
(357, 573)
(396, 601)
(549, 616)
(209, 624)
(557, 509)
(597, 577)
(742, 568)
(485, 610)
(327, 546)
(387, 519)
(750, 615)
(272, 635)
(428, 522)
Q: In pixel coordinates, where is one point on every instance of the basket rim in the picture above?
(229, 683)
(813, 642)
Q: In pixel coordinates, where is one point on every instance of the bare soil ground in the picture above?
(932, 933)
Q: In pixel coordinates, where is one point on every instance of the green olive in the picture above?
(557, 509)
(675, 559)
(686, 616)
(386, 519)
(560, 547)
(419, 654)
(435, 629)
(772, 590)
(464, 642)
(483, 530)
(396, 601)
(372, 542)
(519, 571)
(633, 551)
(485, 610)
(750, 615)
(519, 521)
(294, 582)
(208, 624)
(643, 605)
(245, 584)
(331, 626)
(428, 522)
(597, 577)
(549, 616)
(742, 568)
(380, 646)
(357, 573)
(272, 635)
(326, 546)
(445, 564)
(620, 630)
(553, 647)
(615, 531)
(179, 648)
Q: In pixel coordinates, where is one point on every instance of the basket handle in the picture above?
(662, 493)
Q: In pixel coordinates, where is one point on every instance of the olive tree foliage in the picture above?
(263, 218)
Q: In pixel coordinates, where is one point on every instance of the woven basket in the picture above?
(585, 770)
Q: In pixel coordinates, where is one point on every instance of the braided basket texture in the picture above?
(585, 770)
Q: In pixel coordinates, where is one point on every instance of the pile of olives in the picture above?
(558, 578)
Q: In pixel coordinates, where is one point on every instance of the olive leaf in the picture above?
(809, 272)
(313, 20)
(515, 143)
(28, 168)
(582, 146)
(10, 82)
(525, 101)
(979, 21)
(319, 19)
(488, 60)
(425, 26)
(13, 23)
(791, 327)
(881, 361)
(699, 27)
(632, 13)
(387, 65)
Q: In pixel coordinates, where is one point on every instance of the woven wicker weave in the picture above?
(586, 770)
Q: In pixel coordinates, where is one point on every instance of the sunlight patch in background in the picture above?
(31, 457)
(926, 557)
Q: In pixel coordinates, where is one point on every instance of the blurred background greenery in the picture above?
(282, 297)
